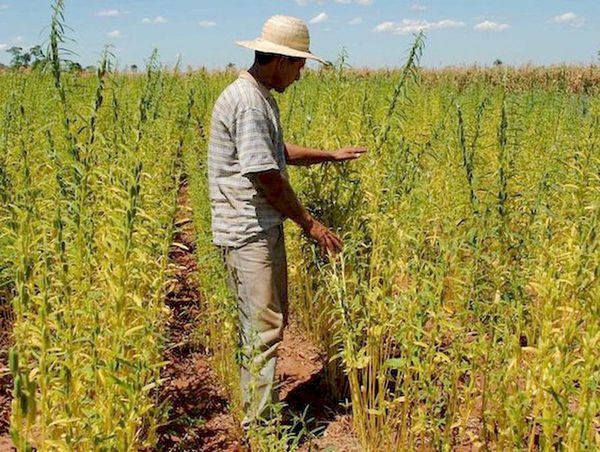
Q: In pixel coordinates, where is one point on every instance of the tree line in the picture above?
(35, 58)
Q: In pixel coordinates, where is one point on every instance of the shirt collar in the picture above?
(262, 88)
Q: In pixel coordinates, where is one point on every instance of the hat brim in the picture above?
(270, 47)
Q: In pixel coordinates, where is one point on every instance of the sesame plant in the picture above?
(460, 312)
(89, 177)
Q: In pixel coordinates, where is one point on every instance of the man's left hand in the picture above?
(352, 153)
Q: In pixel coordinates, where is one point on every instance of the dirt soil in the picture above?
(300, 374)
(199, 419)
(5, 380)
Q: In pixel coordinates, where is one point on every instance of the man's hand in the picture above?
(281, 196)
(327, 240)
(350, 153)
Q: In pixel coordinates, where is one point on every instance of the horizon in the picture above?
(375, 33)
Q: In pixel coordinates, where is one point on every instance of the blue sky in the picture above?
(376, 33)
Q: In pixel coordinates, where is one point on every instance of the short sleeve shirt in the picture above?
(245, 139)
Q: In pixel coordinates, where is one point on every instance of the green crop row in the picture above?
(89, 173)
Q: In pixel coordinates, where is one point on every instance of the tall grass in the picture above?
(434, 316)
(89, 177)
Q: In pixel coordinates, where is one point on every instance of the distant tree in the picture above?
(73, 66)
(134, 68)
(19, 57)
(498, 62)
(38, 57)
(34, 57)
(230, 67)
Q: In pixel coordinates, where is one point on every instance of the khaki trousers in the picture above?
(257, 274)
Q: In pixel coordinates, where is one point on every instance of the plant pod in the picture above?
(31, 402)
(13, 361)
(21, 395)
(18, 385)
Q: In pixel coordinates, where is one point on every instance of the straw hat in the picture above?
(283, 35)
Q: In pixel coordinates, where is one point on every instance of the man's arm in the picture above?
(298, 155)
(281, 196)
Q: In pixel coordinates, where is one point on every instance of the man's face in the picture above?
(288, 71)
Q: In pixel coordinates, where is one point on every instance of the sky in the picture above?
(375, 33)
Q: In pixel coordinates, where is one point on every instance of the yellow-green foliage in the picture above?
(91, 186)
(464, 308)
(218, 325)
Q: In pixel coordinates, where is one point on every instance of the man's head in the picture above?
(282, 48)
(282, 70)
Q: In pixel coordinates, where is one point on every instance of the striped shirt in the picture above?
(245, 138)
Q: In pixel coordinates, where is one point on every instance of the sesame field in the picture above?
(463, 314)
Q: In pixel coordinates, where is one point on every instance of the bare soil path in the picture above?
(6, 383)
(300, 373)
(199, 418)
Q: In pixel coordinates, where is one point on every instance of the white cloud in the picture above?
(487, 25)
(356, 21)
(3, 46)
(207, 23)
(319, 18)
(407, 26)
(155, 20)
(385, 26)
(419, 8)
(109, 13)
(18, 39)
(569, 18)
(4, 6)
(115, 34)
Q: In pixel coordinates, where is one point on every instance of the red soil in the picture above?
(300, 373)
(5, 378)
(199, 418)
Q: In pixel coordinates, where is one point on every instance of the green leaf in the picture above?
(395, 363)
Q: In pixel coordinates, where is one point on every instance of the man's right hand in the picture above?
(281, 196)
(327, 240)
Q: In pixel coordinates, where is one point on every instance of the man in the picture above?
(250, 197)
